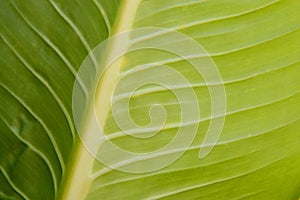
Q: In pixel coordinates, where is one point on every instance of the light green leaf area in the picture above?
(254, 44)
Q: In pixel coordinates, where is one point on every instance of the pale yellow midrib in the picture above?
(77, 181)
(106, 86)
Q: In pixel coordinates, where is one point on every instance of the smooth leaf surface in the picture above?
(254, 44)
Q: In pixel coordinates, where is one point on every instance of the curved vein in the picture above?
(76, 30)
(38, 152)
(158, 173)
(161, 89)
(7, 196)
(256, 43)
(149, 36)
(200, 22)
(104, 15)
(183, 124)
(41, 122)
(196, 23)
(173, 60)
(250, 195)
(44, 82)
(47, 86)
(16, 189)
(216, 182)
(195, 147)
(52, 45)
(167, 8)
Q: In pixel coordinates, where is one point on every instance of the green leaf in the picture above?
(253, 43)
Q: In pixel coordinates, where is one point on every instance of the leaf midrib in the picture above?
(77, 180)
